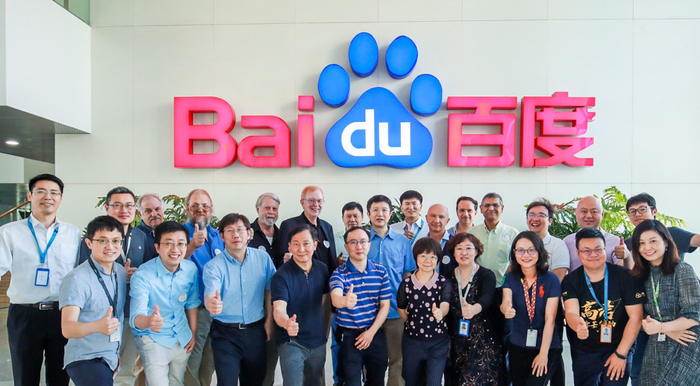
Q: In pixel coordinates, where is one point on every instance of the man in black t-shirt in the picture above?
(601, 339)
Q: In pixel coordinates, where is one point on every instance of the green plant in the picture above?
(396, 213)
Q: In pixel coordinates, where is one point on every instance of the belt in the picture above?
(42, 306)
(241, 326)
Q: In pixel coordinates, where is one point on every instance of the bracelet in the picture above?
(623, 357)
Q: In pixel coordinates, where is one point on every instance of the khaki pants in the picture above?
(393, 328)
(131, 373)
(200, 366)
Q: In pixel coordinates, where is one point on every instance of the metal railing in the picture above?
(9, 212)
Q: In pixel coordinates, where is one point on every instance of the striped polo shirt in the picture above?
(371, 286)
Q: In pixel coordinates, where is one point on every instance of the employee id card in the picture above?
(116, 335)
(42, 277)
(464, 325)
(531, 338)
(661, 337)
(605, 333)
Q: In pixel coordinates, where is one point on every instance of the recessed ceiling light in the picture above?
(12, 142)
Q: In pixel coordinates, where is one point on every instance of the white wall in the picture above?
(638, 58)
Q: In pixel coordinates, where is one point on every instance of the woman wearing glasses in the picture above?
(423, 300)
(476, 352)
(531, 298)
(672, 356)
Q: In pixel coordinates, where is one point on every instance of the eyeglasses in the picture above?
(521, 251)
(639, 211)
(240, 231)
(538, 215)
(171, 245)
(120, 206)
(314, 201)
(204, 207)
(43, 193)
(587, 252)
(104, 242)
(354, 243)
(424, 256)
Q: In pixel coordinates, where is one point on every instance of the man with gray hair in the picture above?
(150, 207)
(265, 232)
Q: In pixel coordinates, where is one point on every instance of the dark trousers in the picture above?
(640, 346)
(33, 334)
(238, 354)
(521, 359)
(590, 370)
(92, 372)
(374, 358)
(424, 361)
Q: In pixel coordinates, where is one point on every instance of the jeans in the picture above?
(590, 370)
(301, 365)
(163, 366)
(373, 359)
(92, 372)
(424, 361)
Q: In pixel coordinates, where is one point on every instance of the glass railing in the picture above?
(79, 8)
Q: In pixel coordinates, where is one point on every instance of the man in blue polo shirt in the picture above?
(298, 292)
(164, 302)
(393, 251)
(205, 243)
(237, 287)
(361, 292)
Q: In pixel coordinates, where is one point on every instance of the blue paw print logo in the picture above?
(378, 130)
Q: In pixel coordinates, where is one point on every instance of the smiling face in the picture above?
(492, 209)
(591, 252)
(312, 202)
(538, 220)
(105, 252)
(652, 247)
(45, 198)
(379, 214)
(640, 212)
(302, 246)
(438, 216)
(236, 238)
(268, 212)
(352, 218)
(525, 254)
(589, 212)
(152, 212)
(466, 212)
(122, 207)
(357, 245)
(426, 261)
(199, 209)
(172, 249)
(465, 253)
(411, 208)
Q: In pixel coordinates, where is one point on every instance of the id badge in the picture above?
(116, 335)
(42, 277)
(464, 327)
(605, 334)
(531, 340)
(661, 338)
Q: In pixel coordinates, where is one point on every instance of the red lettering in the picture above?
(280, 141)
(186, 132)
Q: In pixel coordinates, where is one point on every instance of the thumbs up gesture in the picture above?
(350, 298)
(292, 326)
(107, 325)
(621, 250)
(156, 322)
(651, 326)
(214, 304)
(129, 270)
(437, 312)
(509, 311)
(582, 329)
(198, 238)
(467, 312)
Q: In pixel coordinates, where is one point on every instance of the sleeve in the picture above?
(193, 299)
(632, 288)
(487, 289)
(72, 292)
(270, 271)
(211, 276)
(689, 296)
(5, 251)
(385, 291)
(553, 286)
(409, 263)
(337, 281)
(140, 293)
(508, 281)
(681, 238)
(278, 288)
(560, 256)
(446, 295)
(401, 298)
(568, 288)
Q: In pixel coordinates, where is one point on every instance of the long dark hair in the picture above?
(641, 265)
(542, 265)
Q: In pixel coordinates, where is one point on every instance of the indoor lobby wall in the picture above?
(637, 58)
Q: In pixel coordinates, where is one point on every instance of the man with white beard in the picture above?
(265, 232)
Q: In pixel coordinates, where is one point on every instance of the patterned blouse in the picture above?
(418, 299)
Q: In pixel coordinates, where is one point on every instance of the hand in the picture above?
(292, 326)
(408, 234)
(582, 329)
(214, 304)
(129, 271)
(651, 326)
(341, 259)
(468, 310)
(156, 322)
(350, 298)
(509, 312)
(621, 250)
(364, 340)
(286, 257)
(683, 337)
(108, 325)
(437, 313)
(539, 365)
(190, 346)
(616, 367)
(198, 237)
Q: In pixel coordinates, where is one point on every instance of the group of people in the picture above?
(165, 303)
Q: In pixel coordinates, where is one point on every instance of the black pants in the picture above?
(521, 359)
(424, 361)
(92, 372)
(33, 334)
(374, 358)
(238, 354)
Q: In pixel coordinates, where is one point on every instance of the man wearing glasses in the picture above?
(150, 208)
(540, 215)
(39, 251)
(237, 288)
(120, 204)
(205, 243)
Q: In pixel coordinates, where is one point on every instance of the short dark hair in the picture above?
(103, 223)
(118, 190)
(466, 198)
(493, 195)
(377, 199)
(167, 227)
(352, 205)
(426, 244)
(588, 233)
(353, 229)
(301, 228)
(459, 238)
(231, 219)
(45, 177)
(409, 194)
(541, 202)
(542, 265)
(671, 259)
(641, 198)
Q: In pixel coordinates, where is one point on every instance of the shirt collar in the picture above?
(36, 224)
(547, 239)
(99, 266)
(430, 284)
(161, 270)
(392, 234)
(352, 268)
(232, 260)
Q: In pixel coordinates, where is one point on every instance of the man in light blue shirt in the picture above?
(164, 301)
(237, 288)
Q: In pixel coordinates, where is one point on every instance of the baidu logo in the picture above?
(378, 130)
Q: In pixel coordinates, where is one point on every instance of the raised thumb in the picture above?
(464, 303)
(156, 310)
(352, 287)
(583, 322)
(108, 315)
(196, 228)
(218, 295)
(128, 263)
(622, 240)
(434, 307)
(293, 318)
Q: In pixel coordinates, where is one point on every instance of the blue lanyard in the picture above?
(405, 228)
(42, 255)
(605, 293)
